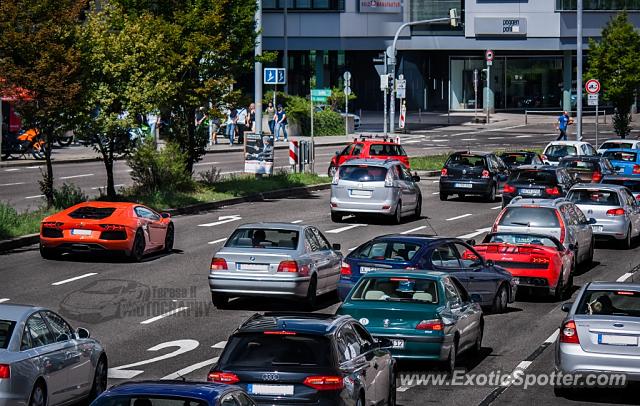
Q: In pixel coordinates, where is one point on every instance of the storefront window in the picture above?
(599, 5)
(534, 83)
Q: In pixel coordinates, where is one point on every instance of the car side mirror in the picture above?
(82, 332)
(592, 221)
(415, 178)
(566, 307)
(572, 247)
(384, 342)
(166, 215)
(490, 262)
(476, 298)
(471, 242)
(336, 247)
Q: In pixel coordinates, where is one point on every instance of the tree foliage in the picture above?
(614, 61)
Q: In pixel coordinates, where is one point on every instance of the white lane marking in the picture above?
(524, 365)
(552, 337)
(351, 249)
(34, 197)
(205, 163)
(222, 220)
(412, 142)
(413, 230)
(436, 181)
(217, 241)
(12, 170)
(624, 277)
(476, 233)
(459, 217)
(439, 140)
(343, 229)
(435, 193)
(520, 367)
(33, 167)
(13, 184)
(402, 389)
(104, 187)
(220, 345)
(495, 138)
(84, 175)
(524, 136)
(496, 208)
(4, 299)
(73, 279)
(187, 370)
(469, 139)
(296, 221)
(162, 316)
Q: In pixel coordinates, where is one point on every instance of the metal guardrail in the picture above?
(602, 112)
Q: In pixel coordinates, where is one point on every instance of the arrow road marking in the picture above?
(476, 233)
(342, 229)
(222, 220)
(187, 370)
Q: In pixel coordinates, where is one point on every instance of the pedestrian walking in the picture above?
(281, 123)
(562, 123)
(271, 112)
(251, 118)
(232, 119)
(241, 124)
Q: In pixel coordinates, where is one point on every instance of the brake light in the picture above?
(443, 172)
(52, 224)
(112, 227)
(569, 333)
(5, 371)
(324, 382)
(539, 260)
(615, 212)
(336, 177)
(485, 174)
(288, 266)
(219, 264)
(388, 179)
(638, 197)
(596, 177)
(431, 325)
(345, 269)
(626, 293)
(223, 377)
(561, 222)
(553, 191)
(636, 169)
(280, 333)
(509, 189)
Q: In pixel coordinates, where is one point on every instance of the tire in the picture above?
(312, 294)
(99, 379)
(336, 217)
(65, 141)
(491, 196)
(219, 301)
(391, 397)
(331, 171)
(49, 253)
(38, 395)
(560, 290)
(627, 242)
(137, 250)
(475, 350)
(397, 216)
(169, 238)
(443, 196)
(418, 212)
(449, 365)
(500, 302)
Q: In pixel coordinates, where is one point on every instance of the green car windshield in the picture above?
(398, 289)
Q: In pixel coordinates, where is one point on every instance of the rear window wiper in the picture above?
(521, 223)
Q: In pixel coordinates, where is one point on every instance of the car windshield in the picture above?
(267, 238)
(580, 165)
(271, 349)
(6, 329)
(466, 160)
(386, 149)
(610, 303)
(530, 217)
(554, 152)
(517, 158)
(631, 184)
(534, 177)
(362, 173)
(93, 213)
(147, 400)
(621, 156)
(594, 197)
(519, 239)
(399, 289)
(609, 145)
(387, 251)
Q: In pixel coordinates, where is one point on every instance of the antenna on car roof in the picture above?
(181, 377)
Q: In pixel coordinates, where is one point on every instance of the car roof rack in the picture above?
(364, 137)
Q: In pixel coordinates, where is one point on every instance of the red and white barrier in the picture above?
(293, 152)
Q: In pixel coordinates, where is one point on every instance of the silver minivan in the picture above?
(369, 186)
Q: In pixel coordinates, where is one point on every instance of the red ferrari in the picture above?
(537, 262)
(104, 226)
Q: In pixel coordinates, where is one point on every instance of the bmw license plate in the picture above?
(397, 343)
(252, 267)
(532, 192)
(270, 390)
(367, 269)
(463, 185)
(79, 231)
(610, 339)
(597, 229)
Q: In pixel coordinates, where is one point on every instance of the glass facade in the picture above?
(430, 9)
(599, 5)
(303, 5)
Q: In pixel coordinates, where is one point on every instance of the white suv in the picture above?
(556, 150)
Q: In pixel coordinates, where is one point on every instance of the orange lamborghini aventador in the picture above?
(100, 226)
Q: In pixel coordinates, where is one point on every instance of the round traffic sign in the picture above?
(488, 55)
(347, 91)
(347, 75)
(592, 86)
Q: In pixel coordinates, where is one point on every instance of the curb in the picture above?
(18, 242)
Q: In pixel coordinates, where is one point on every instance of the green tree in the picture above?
(125, 77)
(614, 61)
(38, 52)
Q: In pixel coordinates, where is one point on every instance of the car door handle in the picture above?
(375, 365)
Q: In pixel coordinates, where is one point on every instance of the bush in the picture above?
(163, 170)
(14, 224)
(325, 122)
(210, 176)
(68, 195)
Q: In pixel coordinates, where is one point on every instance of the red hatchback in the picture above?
(536, 261)
(369, 148)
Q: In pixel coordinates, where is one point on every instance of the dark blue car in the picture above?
(492, 283)
(173, 393)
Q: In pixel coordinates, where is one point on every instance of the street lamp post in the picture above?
(258, 67)
(579, 72)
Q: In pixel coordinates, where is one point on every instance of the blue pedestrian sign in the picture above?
(275, 76)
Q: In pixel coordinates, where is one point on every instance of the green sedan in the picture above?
(426, 315)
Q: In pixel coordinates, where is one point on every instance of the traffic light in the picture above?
(390, 81)
(453, 16)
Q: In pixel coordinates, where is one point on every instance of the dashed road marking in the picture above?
(524, 136)
(205, 163)
(222, 220)
(413, 230)
(162, 316)
(552, 337)
(495, 138)
(12, 170)
(4, 299)
(469, 139)
(496, 208)
(346, 228)
(34, 197)
(459, 217)
(33, 167)
(624, 277)
(84, 175)
(13, 184)
(296, 222)
(435, 193)
(217, 241)
(476, 233)
(73, 279)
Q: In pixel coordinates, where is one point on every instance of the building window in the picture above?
(431, 9)
(303, 5)
(598, 5)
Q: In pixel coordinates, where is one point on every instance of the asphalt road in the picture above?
(174, 330)
(19, 186)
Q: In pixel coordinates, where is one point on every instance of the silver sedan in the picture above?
(43, 362)
(615, 209)
(277, 260)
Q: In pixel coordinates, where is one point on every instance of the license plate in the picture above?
(621, 170)
(535, 192)
(360, 193)
(597, 229)
(609, 339)
(272, 390)
(397, 343)
(463, 185)
(252, 267)
(367, 269)
(79, 231)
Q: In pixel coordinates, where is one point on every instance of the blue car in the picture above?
(626, 161)
(493, 284)
(173, 393)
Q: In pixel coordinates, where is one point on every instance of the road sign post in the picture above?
(592, 86)
(320, 96)
(489, 55)
(347, 92)
(475, 92)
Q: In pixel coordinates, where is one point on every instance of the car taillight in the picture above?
(52, 224)
(561, 222)
(509, 189)
(433, 325)
(553, 191)
(539, 260)
(388, 180)
(569, 333)
(443, 172)
(345, 269)
(638, 197)
(485, 174)
(219, 264)
(5, 371)
(324, 382)
(112, 227)
(615, 212)
(636, 169)
(223, 377)
(288, 266)
(596, 177)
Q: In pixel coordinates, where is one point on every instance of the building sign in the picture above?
(380, 6)
(497, 26)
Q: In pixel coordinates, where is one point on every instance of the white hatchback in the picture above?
(618, 143)
(556, 150)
